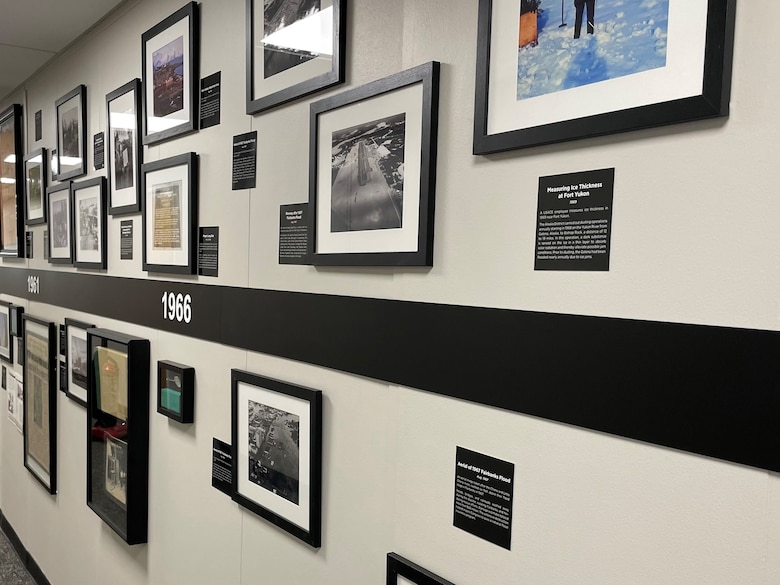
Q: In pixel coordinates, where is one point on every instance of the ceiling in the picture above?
(34, 31)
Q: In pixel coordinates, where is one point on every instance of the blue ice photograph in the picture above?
(563, 44)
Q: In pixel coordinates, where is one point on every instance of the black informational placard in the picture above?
(45, 244)
(208, 251)
(483, 496)
(63, 376)
(294, 233)
(20, 351)
(63, 340)
(126, 239)
(3, 378)
(245, 161)
(222, 467)
(28, 243)
(210, 108)
(99, 150)
(38, 125)
(574, 221)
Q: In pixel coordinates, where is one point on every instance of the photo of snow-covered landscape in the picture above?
(629, 36)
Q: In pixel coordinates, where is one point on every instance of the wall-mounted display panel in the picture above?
(11, 183)
(89, 224)
(35, 174)
(71, 115)
(176, 391)
(77, 360)
(125, 151)
(60, 223)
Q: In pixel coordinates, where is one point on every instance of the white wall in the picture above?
(695, 240)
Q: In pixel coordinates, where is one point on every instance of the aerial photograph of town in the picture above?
(274, 438)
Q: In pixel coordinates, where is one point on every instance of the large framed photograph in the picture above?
(293, 48)
(71, 110)
(77, 360)
(614, 67)
(277, 453)
(35, 173)
(89, 224)
(170, 57)
(118, 431)
(170, 214)
(6, 344)
(125, 151)
(40, 401)
(372, 172)
(60, 223)
(11, 190)
(401, 571)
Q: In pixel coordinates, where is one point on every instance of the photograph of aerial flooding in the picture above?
(367, 176)
(274, 439)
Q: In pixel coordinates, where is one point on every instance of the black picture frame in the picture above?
(60, 223)
(124, 146)
(176, 391)
(398, 566)
(293, 74)
(290, 497)
(76, 360)
(343, 234)
(35, 176)
(118, 460)
(507, 126)
(41, 371)
(89, 231)
(17, 325)
(166, 183)
(170, 99)
(71, 117)
(11, 193)
(6, 334)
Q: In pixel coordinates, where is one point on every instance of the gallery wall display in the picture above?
(527, 94)
(401, 571)
(90, 242)
(35, 174)
(77, 360)
(277, 453)
(125, 151)
(372, 172)
(40, 401)
(118, 431)
(170, 53)
(170, 214)
(176, 391)
(60, 223)
(6, 343)
(71, 116)
(293, 48)
(12, 188)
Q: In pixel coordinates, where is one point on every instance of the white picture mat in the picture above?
(156, 124)
(299, 513)
(122, 114)
(80, 195)
(168, 257)
(682, 77)
(54, 197)
(64, 168)
(34, 213)
(408, 100)
(77, 333)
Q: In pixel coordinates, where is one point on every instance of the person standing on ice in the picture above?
(580, 5)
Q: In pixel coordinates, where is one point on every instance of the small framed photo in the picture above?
(11, 192)
(372, 172)
(89, 223)
(125, 151)
(35, 172)
(176, 391)
(170, 56)
(60, 222)
(293, 48)
(77, 360)
(401, 571)
(17, 325)
(277, 453)
(71, 110)
(170, 214)
(40, 401)
(6, 345)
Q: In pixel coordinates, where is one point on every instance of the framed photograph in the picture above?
(170, 214)
(60, 223)
(17, 325)
(277, 453)
(401, 571)
(118, 431)
(6, 343)
(541, 80)
(12, 185)
(77, 360)
(35, 173)
(89, 223)
(176, 391)
(170, 56)
(293, 48)
(40, 401)
(125, 152)
(372, 172)
(71, 110)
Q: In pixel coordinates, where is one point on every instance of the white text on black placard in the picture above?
(294, 233)
(245, 161)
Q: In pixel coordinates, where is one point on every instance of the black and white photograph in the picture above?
(59, 223)
(368, 176)
(60, 236)
(78, 361)
(89, 224)
(168, 78)
(124, 150)
(71, 153)
(6, 349)
(69, 128)
(274, 440)
(116, 469)
(35, 187)
(88, 235)
(278, 15)
(123, 158)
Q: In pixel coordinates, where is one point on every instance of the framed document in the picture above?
(118, 431)
(125, 152)
(89, 224)
(72, 134)
(40, 401)
(60, 222)
(401, 571)
(293, 48)
(77, 359)
(35, 173)
(170, 56)
(176, 391)
(11, 192)
(170, 214)
(6, 345)
(277, 453)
